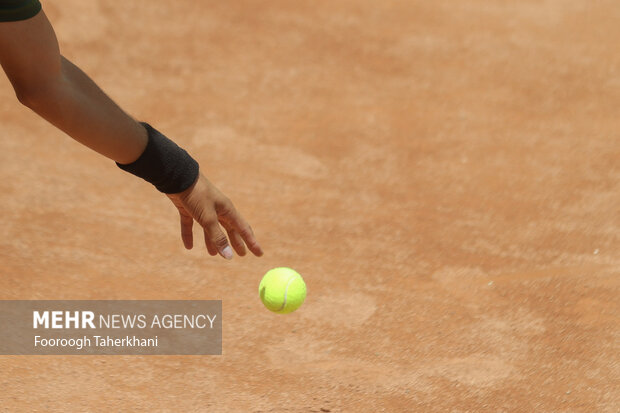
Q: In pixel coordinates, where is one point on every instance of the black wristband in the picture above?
(164, 164)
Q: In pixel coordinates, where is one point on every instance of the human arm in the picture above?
(64, 95)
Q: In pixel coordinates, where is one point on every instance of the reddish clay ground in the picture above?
(446, 176)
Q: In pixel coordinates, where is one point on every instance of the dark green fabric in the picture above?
(14, 10)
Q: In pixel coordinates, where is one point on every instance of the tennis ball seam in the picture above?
(286, 291)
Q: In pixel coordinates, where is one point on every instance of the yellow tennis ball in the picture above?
(282, 290)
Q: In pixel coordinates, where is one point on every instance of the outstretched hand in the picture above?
(205, 204)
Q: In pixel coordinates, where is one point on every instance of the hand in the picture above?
(204, 203)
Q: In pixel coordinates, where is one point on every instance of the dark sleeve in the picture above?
(14, 10)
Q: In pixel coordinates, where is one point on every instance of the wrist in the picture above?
(164, 164)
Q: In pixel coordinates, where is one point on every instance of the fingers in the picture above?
(250, 240)
(236, 241)
(216, 240)
(186, 230)
(210, 208)
(210, 247)
(232, 219)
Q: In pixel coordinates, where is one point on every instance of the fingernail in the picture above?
(227, 252)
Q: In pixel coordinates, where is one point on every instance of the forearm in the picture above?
(61, 93)
(72, 102)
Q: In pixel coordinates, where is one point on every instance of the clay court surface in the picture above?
(444, 174)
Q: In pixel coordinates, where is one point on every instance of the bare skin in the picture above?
(65, 96)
